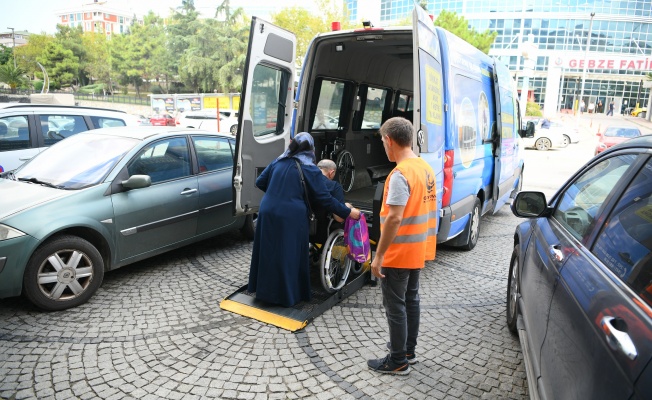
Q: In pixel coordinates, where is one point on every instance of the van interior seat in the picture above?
(380, 172)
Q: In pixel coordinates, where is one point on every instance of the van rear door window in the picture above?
(268, 96)
(372, 116)
(329, 106)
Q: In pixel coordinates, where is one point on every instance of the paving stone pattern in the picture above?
(154, 330)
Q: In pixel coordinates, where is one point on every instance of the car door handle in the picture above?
(25, 158)
(555, 253)
(188, 191)
(618, 339)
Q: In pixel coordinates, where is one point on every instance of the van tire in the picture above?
(472, 231)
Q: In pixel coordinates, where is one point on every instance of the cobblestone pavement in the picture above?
(155, 330)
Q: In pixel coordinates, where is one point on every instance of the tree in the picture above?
(306, 25)
(459, 26)
(71, 39)
(61, 64)
(27, 56)
(98, 65)
(14, 77)
(233, 36)
(6, 54)
(183, 26)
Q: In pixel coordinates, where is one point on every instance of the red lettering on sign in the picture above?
(591, 63)
(623, 63)
(610, 64)
(573, 63)
(631, 65)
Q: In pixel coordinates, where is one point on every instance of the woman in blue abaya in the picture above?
(279, 270)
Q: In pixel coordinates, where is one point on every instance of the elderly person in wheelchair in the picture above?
(328, 252)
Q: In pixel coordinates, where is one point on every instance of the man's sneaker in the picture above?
(387, 366)
(412, 358)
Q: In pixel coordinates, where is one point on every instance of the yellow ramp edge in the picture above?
(262, 315)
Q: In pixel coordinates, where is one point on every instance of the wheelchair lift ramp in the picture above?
(292, 318)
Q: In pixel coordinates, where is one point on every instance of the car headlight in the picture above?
(7, 232)
(602, 146)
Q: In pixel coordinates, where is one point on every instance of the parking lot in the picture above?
(155, 329)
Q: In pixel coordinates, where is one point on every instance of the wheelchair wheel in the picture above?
(345, 170)
(335, 265)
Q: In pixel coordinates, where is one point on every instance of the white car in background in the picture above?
(207, 120)
(570, 134)
(544, 139)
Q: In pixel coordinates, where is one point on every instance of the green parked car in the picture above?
(106, 198)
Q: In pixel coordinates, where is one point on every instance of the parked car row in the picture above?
(27, 129)
(131, 193)
(207, 120)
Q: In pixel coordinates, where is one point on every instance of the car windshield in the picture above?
(77, 162)
(622, 132)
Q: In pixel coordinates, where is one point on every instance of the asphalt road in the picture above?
(155, 330)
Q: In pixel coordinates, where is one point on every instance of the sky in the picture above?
(37, 16)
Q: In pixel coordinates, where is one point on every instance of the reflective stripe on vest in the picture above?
(416, 239)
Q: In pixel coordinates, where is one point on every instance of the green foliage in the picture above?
(97, 88)
(6, 54)
(307, 25)
(14, 77)
(459, 26)
(61, 65)
(532, 109)
(38, 86)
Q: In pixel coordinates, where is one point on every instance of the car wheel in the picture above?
(567, 141)
(63, 273)
(543, 144)
(234, 129)
(249, 228)
(513, 291)
(473, 227)
(335, 265)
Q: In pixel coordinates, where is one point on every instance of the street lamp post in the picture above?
(13, 49)
(586, 53)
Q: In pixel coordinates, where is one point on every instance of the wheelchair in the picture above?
(330, 258)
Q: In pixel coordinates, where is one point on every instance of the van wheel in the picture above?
(249, 228)
(513, 291)
(63, 273)
(543, 144)
(473, 226)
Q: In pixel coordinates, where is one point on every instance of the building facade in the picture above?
(98, 17)
(605, 44)
(19, 38)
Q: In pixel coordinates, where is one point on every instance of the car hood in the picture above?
(612, 140)
(20, 196)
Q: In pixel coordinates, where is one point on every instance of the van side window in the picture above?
(329, 106)
(102, 122)
(58, 127)
(14, 133)
(268, 95)
(373, 108)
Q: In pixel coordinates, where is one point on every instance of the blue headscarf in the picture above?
(302, 147)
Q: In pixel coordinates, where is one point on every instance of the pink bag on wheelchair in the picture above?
(356, 237)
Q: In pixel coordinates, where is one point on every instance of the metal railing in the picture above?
(143, 100)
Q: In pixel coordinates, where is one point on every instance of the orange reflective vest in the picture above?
(416, 239)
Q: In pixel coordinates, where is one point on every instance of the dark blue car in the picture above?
(579, 292)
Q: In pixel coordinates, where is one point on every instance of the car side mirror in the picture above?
(528, 132)
(137, 182)
(529, 205)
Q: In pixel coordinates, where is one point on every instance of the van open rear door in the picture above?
(429, 115)
(505, 146)
(264, 122)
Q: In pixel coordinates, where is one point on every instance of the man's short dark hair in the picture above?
(399, 130)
